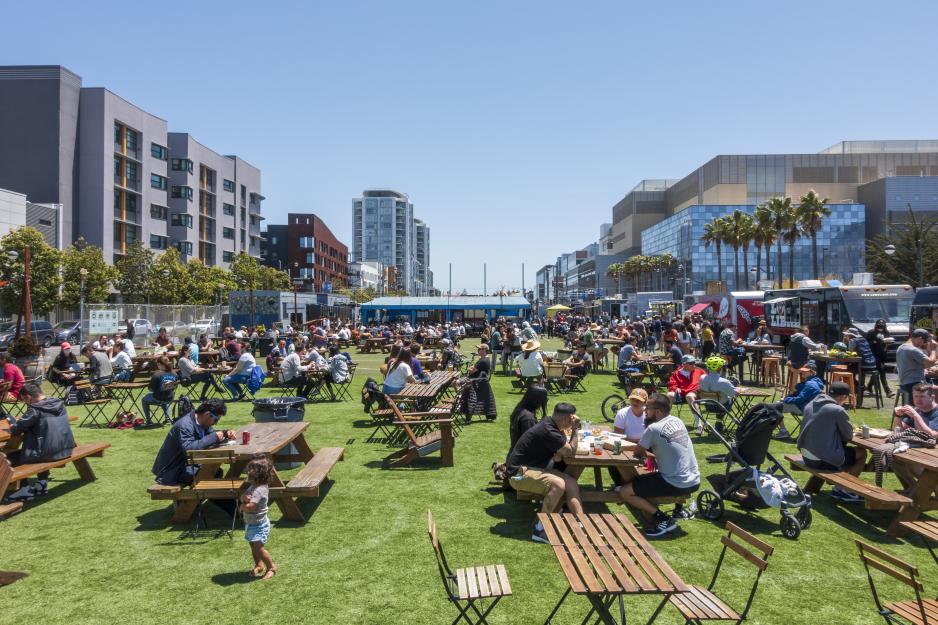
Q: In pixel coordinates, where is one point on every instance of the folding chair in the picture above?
(342, 392)
(899, 612)
(469, 588)
(701, 604)
(95, 405)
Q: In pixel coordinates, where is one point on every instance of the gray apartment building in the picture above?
(384, 230)
(117, 172)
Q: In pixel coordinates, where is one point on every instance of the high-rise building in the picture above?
(384, 230)
(118, 174)
(424, 277)
(306, 248)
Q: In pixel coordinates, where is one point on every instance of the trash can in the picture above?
(265, 345)
(280, 410)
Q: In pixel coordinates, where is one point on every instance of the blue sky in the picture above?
(513, 126)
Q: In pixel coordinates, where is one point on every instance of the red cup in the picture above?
(245, 438)
(598, 450)
(649, 464)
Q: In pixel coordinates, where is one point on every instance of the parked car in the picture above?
(204, 326)
(41, 332)
(175, 328)
(68, 331)
(142, 329)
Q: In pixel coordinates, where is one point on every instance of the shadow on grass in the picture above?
(308, 506)
(428, 463)
(60, 489)
(233, 578)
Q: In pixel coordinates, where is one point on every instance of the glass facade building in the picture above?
(840, 245)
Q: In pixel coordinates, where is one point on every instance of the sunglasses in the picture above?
(214, 416)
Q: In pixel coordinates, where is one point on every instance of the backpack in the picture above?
(183, 407)
(223, 354)
(257, 379)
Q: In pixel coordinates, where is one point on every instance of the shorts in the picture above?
(532, 480)
(652, 485)
(257, 532)
(850, 458)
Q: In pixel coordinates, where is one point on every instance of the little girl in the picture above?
(256, 523)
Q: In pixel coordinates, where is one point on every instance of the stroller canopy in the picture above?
(755, 432)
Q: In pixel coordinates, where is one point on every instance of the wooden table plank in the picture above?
(639, 579)
(598, 565)
(461, 586)
(602, 542)
(581, 566)
(675, 580)
(471, 583)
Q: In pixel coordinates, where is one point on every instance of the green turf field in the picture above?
(103, 552)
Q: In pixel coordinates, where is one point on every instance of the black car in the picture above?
(41, 332)
(68, 331)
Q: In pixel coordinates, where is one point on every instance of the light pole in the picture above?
(82, 274)
(25, 301)
(752, 275)
(824, 252)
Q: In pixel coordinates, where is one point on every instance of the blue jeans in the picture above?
(148, 400)
(122, 376)
(233, 383)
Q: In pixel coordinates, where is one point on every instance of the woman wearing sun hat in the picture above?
(530, 362)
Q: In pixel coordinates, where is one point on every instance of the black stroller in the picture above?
(750, 450)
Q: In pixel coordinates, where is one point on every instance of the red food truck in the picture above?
(738, 306)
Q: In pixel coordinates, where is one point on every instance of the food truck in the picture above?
(925, 309)
(827, 310)
(740, 307)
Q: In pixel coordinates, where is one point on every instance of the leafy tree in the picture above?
(810, 214)
(782, 214)
(764, 235)
(82, 255)
(245, 271)
(915, 260)
(135, 271)
(713, 235)
(43, 270)
(272, 279)
(170, 279)
(791, 234)
(363, 295)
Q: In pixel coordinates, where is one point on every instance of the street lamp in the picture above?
(82, 274)
(752, 275)
(25, 302)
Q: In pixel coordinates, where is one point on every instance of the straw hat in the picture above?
(531, 345)
(594, 326)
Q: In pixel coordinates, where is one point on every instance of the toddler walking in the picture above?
(256, 523)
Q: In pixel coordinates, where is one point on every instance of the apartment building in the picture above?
(306, 248)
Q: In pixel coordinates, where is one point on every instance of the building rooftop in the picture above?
(384, 193)
(894, 146)
(456, 301)
(655, 184)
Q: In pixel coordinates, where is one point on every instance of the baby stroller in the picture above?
(750, 486)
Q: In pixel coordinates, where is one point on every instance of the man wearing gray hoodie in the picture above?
(825, 430)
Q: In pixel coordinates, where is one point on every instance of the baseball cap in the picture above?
(65, 345)
(639, 394)
(688, 359)
(838, 389)
(921, 333)
(810, 365)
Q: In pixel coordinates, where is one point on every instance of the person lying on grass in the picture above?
(256, 522)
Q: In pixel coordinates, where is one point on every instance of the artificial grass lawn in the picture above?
(103, 552)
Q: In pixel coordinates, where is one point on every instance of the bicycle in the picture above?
(611, 405)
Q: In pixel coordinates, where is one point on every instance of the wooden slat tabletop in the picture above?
(916, 456)
(266, 438)
(606, 553)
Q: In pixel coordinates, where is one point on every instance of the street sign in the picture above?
(298, 281)
(102, 322)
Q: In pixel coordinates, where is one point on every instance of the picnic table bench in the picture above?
(370, 345)
(11, 476)
(267, 439)
(422, 437)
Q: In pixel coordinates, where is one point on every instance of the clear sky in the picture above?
(513, 126)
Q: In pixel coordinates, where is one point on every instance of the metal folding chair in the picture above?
(920, 611)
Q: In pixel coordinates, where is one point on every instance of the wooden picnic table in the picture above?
(605, 557)
(208, 356)
(425, 394)
(266, 438)
(625, 462)
(745, 396)
(371, 345)
(920, 491)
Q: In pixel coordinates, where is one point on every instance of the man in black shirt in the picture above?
(532, 460)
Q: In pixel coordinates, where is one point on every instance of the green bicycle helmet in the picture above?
(715, 363)
(838, 347)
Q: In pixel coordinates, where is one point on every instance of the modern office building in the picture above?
(888, 199)
(117, 173)
(17, 211)
(840, 247)
(365, 274)
(307, 249)
(384, 230)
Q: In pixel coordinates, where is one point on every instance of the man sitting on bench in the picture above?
(193, 431)
(47, 436)
(825, 430)
(531, 463)
(667, 438)
(806, 391)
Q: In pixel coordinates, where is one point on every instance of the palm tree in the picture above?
(615, 270)
(747, 231)
(781, 213)
(736, 231)
(810, 214)
(791, 234)
(765, 236)
(713, 236)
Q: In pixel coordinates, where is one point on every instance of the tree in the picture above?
(810, 214)
(746, 234)
(713, 235)
(170, 279)
(782, 213)
(82, 255)
(915, 259)
(764, 236)
(134, 274)
(245, 271)
(791, 234)
(271, 279)
(43, 270)
(735, 231)
(616, 270)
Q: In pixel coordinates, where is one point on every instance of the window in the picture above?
(273, 240)
(244, 196)
(228, 185)
(228, 209)
(158, 182)
(182, 164)
(117, 133)
(158, 212)
(228, 233)
(242, 237)
(45, 222)
(184, 247)
(182, 219)
(308, 243)
(227, 256)
(131, 172)
(158, 151)
(131, 139)
(157, 242)
(183, 192)
(306, 272)
(310, 258)
(243, 215)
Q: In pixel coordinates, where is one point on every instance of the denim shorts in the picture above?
(257, 533)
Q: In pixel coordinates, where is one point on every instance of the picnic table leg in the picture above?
(446, 448)
(813, 485)
(290, 510)
(184, 509)
(85, 472)
(921, 496)
(600, 606)
(303, 450)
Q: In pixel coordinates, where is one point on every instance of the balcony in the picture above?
(132, 184)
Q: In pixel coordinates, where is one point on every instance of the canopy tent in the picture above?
(698, 308)
(556, 308)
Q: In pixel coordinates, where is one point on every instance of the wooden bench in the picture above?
(10, 476)
(874, 497)
(306, 483)
(8, 577)
(927, 530)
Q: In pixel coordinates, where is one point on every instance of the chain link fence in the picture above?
(180, 321)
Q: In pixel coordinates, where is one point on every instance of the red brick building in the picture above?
(321, 259)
